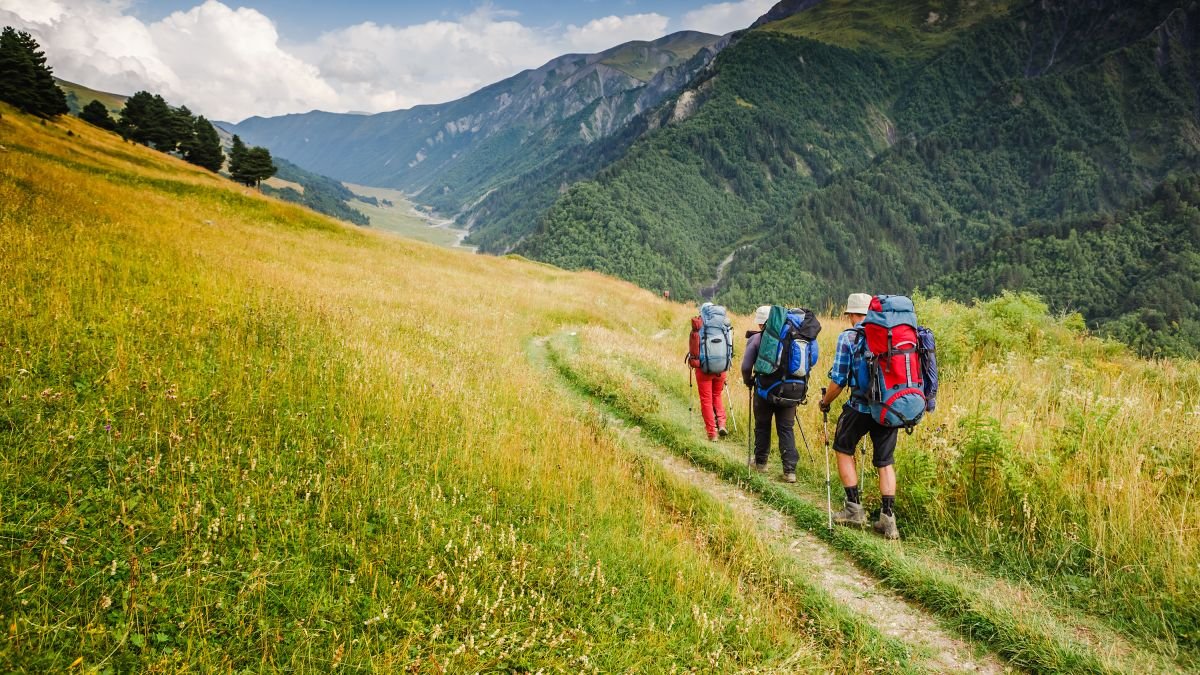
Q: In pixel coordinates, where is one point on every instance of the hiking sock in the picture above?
(852, 495)
(889, 505)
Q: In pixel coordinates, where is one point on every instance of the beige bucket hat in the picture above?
(858, 303)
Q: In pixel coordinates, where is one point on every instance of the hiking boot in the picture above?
(761, 468)
(722, 432)
(789, 477)
(851, 516)
(886, 526)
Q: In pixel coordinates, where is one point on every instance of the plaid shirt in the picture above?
(849, 350)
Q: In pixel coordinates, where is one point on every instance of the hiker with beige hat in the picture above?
(855, 422)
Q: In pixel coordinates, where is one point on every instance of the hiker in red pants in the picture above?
(710, 352)
(712, 405)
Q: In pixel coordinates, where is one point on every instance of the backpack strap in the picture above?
(857, 390)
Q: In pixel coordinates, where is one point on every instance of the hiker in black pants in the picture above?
(764, 410)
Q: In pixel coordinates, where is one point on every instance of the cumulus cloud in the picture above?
(231, 63)
(381, 67)
(221, 62)
(723, 17)
(610, 31)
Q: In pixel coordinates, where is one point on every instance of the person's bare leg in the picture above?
(847, 470)
(887, 480)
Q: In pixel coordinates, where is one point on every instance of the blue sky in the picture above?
(305, 19)
(231, 59)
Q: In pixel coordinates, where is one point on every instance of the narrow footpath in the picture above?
(933, 648)
(954, 617)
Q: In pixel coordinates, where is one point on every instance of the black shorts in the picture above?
(853, 425)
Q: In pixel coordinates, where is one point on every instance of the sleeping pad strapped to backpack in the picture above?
(786, 352)
(710, 346)
(898, 379)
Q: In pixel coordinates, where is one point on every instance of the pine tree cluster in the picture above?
(25, 80)
(148, 119)
(249, 166)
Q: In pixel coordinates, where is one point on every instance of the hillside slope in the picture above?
(834, 157)
(79, 96)
(237, 435)
(1134, 273)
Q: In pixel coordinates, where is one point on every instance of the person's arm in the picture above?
(839, 373)
(749, 358)
(831, 393)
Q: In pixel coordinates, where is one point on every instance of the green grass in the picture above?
(856, 643)
(630, 58)
(903, 28)
(239, 436)
(1037, 638)
(85, 95)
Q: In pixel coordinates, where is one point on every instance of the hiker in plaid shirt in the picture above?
(856, 422)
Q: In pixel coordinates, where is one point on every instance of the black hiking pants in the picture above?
(785, 426)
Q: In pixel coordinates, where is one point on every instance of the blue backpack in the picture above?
(787, 351)
(710, 348)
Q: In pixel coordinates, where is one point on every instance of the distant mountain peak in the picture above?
(783, 9)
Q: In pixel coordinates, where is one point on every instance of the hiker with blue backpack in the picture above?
(889, 364)
(778, 358)
(710, 353)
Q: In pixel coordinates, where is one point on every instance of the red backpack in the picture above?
(896, 382)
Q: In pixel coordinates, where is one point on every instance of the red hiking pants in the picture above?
(712, 406)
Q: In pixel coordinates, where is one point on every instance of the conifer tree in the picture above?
(204, 148)
(255, 166)
(25, 80)
(147, 119)
(95, 113)
(181, 126)
(237, 155)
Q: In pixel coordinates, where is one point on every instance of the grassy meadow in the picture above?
(239, 436)
(400, 218)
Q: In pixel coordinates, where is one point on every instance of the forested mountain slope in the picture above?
(453, 153)
(1135, 273)
(883, 145)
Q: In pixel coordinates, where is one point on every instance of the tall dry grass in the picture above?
(1053, 457)
(235, 435)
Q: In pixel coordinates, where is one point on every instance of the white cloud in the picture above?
(231, 63)
(610, 31)
(381, 67)
(221, 62)
(723, 17)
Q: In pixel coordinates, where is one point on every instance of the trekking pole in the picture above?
(691, 398)
(804, 437)
(861, 468)
(729, 408)
(749, 427)
(828, 490)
